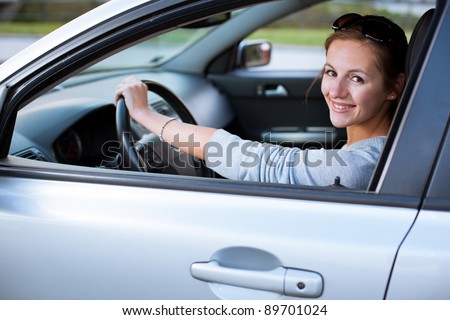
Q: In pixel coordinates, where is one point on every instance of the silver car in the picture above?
(80, 219)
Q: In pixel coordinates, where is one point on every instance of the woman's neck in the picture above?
(364, 131)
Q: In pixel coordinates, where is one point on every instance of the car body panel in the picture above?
(95, 241)
(418, 271)
(426, 250)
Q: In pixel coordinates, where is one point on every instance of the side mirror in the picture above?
(254, 53)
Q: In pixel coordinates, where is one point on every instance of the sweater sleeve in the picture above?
(238, 159)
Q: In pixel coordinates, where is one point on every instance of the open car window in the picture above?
(82, 112)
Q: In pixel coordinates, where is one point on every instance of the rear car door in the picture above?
(424, 256)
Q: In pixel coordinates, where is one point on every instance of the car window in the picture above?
(153, 52)
(83, 127)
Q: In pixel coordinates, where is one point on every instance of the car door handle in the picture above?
(286, 281)
(272, 90)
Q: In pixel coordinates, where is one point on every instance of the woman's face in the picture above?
(353, 86)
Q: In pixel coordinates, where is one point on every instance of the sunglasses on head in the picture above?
(371, 27)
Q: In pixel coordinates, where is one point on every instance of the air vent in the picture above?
(161, 107)
(32, 154)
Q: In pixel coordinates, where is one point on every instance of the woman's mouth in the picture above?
(342, 107)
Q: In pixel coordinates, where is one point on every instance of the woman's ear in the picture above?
(398, 87)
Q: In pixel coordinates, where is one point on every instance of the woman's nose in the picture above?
(338, 88)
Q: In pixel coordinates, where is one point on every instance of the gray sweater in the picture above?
(238, 159)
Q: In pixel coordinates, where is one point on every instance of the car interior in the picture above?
(82, 126)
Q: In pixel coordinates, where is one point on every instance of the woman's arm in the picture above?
(188, 138)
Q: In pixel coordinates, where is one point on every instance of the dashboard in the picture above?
(75, 122)
(86, 142)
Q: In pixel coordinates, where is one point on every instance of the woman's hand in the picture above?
(134, 92)
(188, 138)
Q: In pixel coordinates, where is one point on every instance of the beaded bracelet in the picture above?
(162, 128)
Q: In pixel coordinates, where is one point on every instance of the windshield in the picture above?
(155, 51)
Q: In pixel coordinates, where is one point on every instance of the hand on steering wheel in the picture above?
(150, 154)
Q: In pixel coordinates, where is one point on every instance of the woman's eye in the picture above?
(357, 79)
(330, 73)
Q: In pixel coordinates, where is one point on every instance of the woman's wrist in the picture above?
(140, 114)
(161, 132)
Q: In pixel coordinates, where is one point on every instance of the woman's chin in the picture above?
(339, 123)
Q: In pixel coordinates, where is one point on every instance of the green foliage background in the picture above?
(309, 27)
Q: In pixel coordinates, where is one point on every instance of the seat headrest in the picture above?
(417, 40)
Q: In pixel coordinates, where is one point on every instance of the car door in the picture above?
(69, 232)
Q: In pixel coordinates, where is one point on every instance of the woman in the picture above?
(361, 81)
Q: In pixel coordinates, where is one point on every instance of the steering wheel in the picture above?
(150, 154)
